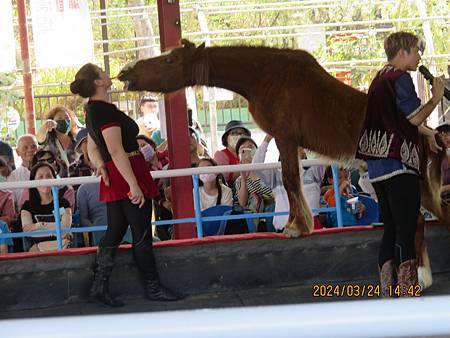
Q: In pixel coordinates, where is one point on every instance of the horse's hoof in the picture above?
(425, 277)
(291, 233)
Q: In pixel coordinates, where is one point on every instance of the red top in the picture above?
(103, 115)
(231, 160)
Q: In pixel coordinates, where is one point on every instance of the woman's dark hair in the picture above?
(83, 84)
(41, 153)
(219, 179)
(146, 139)
(242, 140)
(3, 163)
(443, 128)
(35, 198)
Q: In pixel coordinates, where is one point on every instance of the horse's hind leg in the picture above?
(300, 218)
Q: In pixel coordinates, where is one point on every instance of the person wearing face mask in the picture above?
(250, 192)
(212, 191)
(444, 131)
(149, 124)
(234, 130)
(38, 212)
(58, 135)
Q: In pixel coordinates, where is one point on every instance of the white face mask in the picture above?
(208, 177)
(151, 120)
(233, 139)
(148, 152)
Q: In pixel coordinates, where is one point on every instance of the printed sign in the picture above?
(62, 33)
(7, 43)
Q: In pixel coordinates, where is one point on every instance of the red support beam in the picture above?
(177, 124)
(30, 120)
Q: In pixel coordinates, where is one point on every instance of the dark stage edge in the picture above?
(249, 270)
(252, 297)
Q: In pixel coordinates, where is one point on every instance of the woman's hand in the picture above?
(50, 125)
(136, 195)
(103, 173)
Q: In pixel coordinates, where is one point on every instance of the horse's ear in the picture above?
(187, 44)
(198, 51)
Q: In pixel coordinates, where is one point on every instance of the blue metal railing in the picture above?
(198, 219)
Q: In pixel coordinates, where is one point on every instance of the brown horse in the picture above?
(291, 97)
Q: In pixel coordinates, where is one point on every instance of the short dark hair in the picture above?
(399, 40)
(40, 153)
(242, 140)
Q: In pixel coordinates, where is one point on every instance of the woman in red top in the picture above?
(126, 186)
(234, 130)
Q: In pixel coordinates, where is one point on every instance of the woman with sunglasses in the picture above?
(126, 186)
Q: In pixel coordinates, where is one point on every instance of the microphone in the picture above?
(427, 75)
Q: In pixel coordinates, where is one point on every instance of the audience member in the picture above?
(7, 210)
(81, 166)
(212, 191)
(149, 124)
(5, 171)
(5, 243)
(234, 130)
(6, 154)
(57, 134)
(249, 191)
(38, 212)
(273, 178)
(92, 211)
(49, 157)
(348, 215)
(194, 147)
(26, 148)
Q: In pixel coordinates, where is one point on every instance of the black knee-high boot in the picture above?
(145, 260)
(102, 271)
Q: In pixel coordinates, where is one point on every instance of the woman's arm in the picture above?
(243, 189)
(27, 221)
(113, 140)
(96, 159)
(47, 127)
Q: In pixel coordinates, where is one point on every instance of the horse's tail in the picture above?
(430, 167)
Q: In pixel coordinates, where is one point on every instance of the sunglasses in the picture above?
(48, 160)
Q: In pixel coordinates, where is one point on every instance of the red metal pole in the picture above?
(30, 120)
(177, 124)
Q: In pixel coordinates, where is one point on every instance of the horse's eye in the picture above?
(169, 60)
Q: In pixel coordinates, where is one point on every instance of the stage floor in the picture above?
(250, 297)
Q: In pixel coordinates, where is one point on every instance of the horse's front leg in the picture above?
(300, 220)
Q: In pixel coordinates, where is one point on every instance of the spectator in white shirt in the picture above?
(26, 148)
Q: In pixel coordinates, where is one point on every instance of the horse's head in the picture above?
(165, 73)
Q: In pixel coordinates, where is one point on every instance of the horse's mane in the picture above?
(201, 64)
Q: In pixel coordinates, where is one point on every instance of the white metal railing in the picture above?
(194, 172)
(414, 317)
